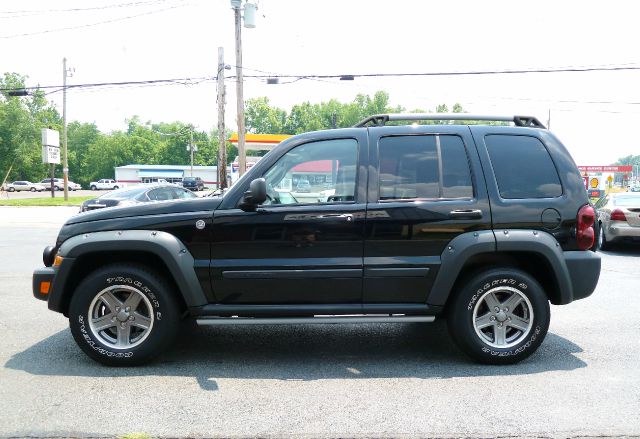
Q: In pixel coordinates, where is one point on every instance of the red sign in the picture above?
(622, 168)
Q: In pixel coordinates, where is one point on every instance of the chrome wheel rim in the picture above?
(121, 317)
(503, 317)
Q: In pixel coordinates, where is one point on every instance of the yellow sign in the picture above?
(594, 183)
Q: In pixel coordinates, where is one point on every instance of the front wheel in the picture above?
(500, 316)
(123, 315)
(93, 187)
(32, 189)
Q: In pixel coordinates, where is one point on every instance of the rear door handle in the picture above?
(466, 214)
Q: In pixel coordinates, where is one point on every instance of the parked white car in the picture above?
(105, 184)
(25, 186)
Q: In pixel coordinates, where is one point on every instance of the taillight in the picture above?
(617, 215)
(584, 229)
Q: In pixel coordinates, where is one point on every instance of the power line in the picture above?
(155, 11)
(324, 78)
(456, 73)
(33, 12)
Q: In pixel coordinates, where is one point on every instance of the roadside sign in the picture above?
(50, 154)
(50, 146)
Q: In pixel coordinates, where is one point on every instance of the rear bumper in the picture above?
(620, 229)
(42, 282)
(584, 271)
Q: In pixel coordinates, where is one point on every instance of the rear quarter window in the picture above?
(523, 167)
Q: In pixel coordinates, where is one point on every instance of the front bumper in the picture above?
(42, 282)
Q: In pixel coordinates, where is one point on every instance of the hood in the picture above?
(145, 209)
(161, 215)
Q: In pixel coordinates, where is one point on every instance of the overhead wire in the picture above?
(81, 26)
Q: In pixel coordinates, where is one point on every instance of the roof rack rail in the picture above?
(381, 119)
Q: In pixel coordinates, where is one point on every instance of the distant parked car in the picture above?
(193, 183)
(73, 186)
(138, 194)
(103, 184)
(24, 185)
(618, 218)
(58, 184)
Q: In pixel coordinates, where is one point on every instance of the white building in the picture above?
(132, 174)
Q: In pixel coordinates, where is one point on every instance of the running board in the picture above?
(312, 320)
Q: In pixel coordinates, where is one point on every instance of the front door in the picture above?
(304, 244)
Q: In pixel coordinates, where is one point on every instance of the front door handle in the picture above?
(336, 217)
(466, 214)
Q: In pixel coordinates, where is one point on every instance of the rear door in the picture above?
(425, 188)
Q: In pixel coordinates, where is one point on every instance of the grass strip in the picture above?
(57, 201)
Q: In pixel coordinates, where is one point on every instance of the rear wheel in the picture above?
(11, 189)
(500, 316)
(603, 244)
(123, 315)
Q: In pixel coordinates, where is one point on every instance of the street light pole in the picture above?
(242, 159)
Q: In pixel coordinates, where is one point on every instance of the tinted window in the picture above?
(410, 168)
(523, 167)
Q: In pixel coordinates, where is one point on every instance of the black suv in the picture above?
(193, 183)
(481, 224)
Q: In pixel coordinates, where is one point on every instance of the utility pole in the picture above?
(549, 120)
(65, 163)
(222, 144)
(242, 157)
(191, 146)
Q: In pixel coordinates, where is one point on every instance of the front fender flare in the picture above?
(165, 246)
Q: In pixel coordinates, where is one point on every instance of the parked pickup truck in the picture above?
(105, 184)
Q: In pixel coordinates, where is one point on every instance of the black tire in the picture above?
(11, 189)
(93, 187)
(148, 326)
(469, 309)
(603, 244)
(116, 187)
(56, 188)
(32, 189)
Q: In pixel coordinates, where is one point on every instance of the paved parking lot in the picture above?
(375, 380)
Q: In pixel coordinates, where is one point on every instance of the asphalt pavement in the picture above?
(373, 380)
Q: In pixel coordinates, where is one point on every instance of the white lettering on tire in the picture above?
(97, 348)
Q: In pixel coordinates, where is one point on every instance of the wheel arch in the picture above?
(534, 252)
(159, 251)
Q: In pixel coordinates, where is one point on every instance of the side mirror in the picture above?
(256, 195)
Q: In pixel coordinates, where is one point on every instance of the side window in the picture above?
(161, 194)
(430, 166)
(316, 172)
(182, 193)
(523, 167)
